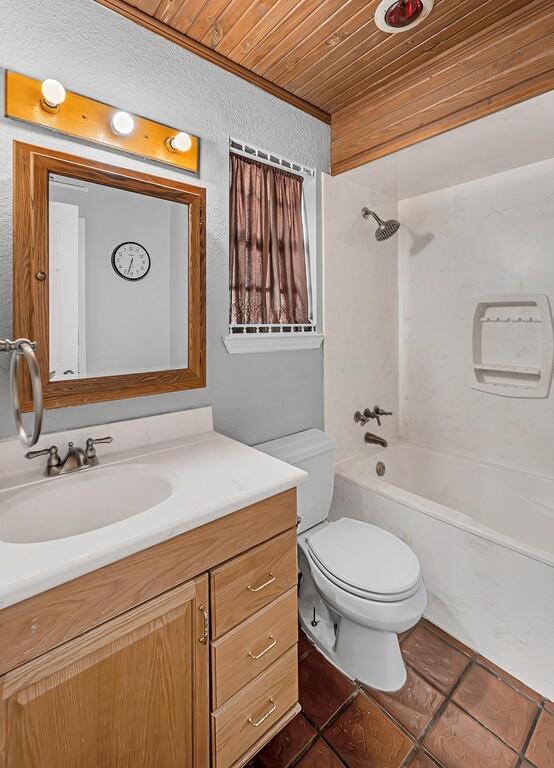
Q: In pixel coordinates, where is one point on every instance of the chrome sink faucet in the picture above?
(75, 459)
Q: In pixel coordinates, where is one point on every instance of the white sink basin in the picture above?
(74, 504)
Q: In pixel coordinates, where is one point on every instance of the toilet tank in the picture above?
(314, 452)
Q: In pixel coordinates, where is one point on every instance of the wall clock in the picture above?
(131, 261)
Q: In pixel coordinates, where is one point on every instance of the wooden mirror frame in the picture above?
(32, 166)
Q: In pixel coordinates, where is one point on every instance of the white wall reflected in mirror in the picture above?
(118, 283)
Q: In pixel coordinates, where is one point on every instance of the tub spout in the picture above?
(375, 439)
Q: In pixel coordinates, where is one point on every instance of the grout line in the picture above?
(531, 733)
(486, 727)
(434, 684)
(433, 721)
(463, 674)
(303, 752)
(442, 634)
(417, 742)
(439, 713)
(333, 750)
(409, 757)
(389, 716)
(334, 716)
(510, 684)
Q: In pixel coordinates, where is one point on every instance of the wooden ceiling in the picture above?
(329, 58)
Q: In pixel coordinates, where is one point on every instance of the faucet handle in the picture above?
(52, 453)
(91, 442)
(380, 412)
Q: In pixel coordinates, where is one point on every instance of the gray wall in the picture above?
(100, 54)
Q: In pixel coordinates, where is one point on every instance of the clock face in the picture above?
(131, 261)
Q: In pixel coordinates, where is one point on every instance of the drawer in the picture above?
(251, 581)
(244, 652)
(254, 710)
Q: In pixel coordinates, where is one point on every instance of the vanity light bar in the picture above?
(83, 118)
(246, 150)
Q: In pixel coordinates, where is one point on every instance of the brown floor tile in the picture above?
(457, 741)
(403, 635)
(365, 738)
(494, 703)
(422, 760)
(413, 706)
(510, 679)
(287, 745)
(549, 706)
(320, 756)
(434, 659)
(323, 689)
(541, 747)
(447, 638)
(304, 645)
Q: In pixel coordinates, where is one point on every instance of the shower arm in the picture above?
(366, 213)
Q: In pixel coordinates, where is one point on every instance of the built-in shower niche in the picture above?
(513, 345)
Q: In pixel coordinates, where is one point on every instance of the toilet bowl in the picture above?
(358, 619)
(360, 586)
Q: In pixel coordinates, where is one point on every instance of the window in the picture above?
(271, 304)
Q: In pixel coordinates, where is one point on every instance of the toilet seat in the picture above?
(365, 561)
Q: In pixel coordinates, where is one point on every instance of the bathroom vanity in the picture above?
(180, 653)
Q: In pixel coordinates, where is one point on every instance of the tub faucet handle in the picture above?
(378, 412)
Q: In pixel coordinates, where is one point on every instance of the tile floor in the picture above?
(457, 710)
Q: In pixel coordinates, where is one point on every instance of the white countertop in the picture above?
(211, 476)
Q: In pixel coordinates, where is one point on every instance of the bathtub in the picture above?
(485, 538)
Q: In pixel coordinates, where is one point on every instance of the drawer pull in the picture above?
(259, 655)
(263, 718)
(204, 637)
(271, 579)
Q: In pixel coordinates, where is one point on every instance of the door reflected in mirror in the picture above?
(118, 281)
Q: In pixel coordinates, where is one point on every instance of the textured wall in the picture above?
(493, 235)
(361, 314)
(100, 54)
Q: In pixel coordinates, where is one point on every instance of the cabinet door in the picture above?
(132, 693)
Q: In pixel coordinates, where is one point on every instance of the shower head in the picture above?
(385, 229)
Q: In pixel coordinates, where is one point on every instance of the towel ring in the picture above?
(25, 348)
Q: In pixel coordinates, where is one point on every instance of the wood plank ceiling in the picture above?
(379, 91)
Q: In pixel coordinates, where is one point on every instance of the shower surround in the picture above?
(399, 327)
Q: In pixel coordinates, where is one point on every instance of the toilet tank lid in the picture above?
(302, 445)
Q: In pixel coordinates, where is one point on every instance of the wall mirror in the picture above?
(109, 277)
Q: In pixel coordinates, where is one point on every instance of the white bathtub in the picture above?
(485, 538)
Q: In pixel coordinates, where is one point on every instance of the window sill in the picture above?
(248, 343)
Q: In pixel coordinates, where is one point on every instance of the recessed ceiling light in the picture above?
(401, 15)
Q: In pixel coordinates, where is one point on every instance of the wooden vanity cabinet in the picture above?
(135, 687)
(113, 669)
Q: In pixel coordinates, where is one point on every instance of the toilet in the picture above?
(360, 586)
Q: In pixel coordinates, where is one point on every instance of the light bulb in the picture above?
(53, 94)
(181, 142)
(122, 123)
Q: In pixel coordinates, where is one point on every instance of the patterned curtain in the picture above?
(267, 272)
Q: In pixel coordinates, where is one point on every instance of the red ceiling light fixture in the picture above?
(401, 15)
(403, 12)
